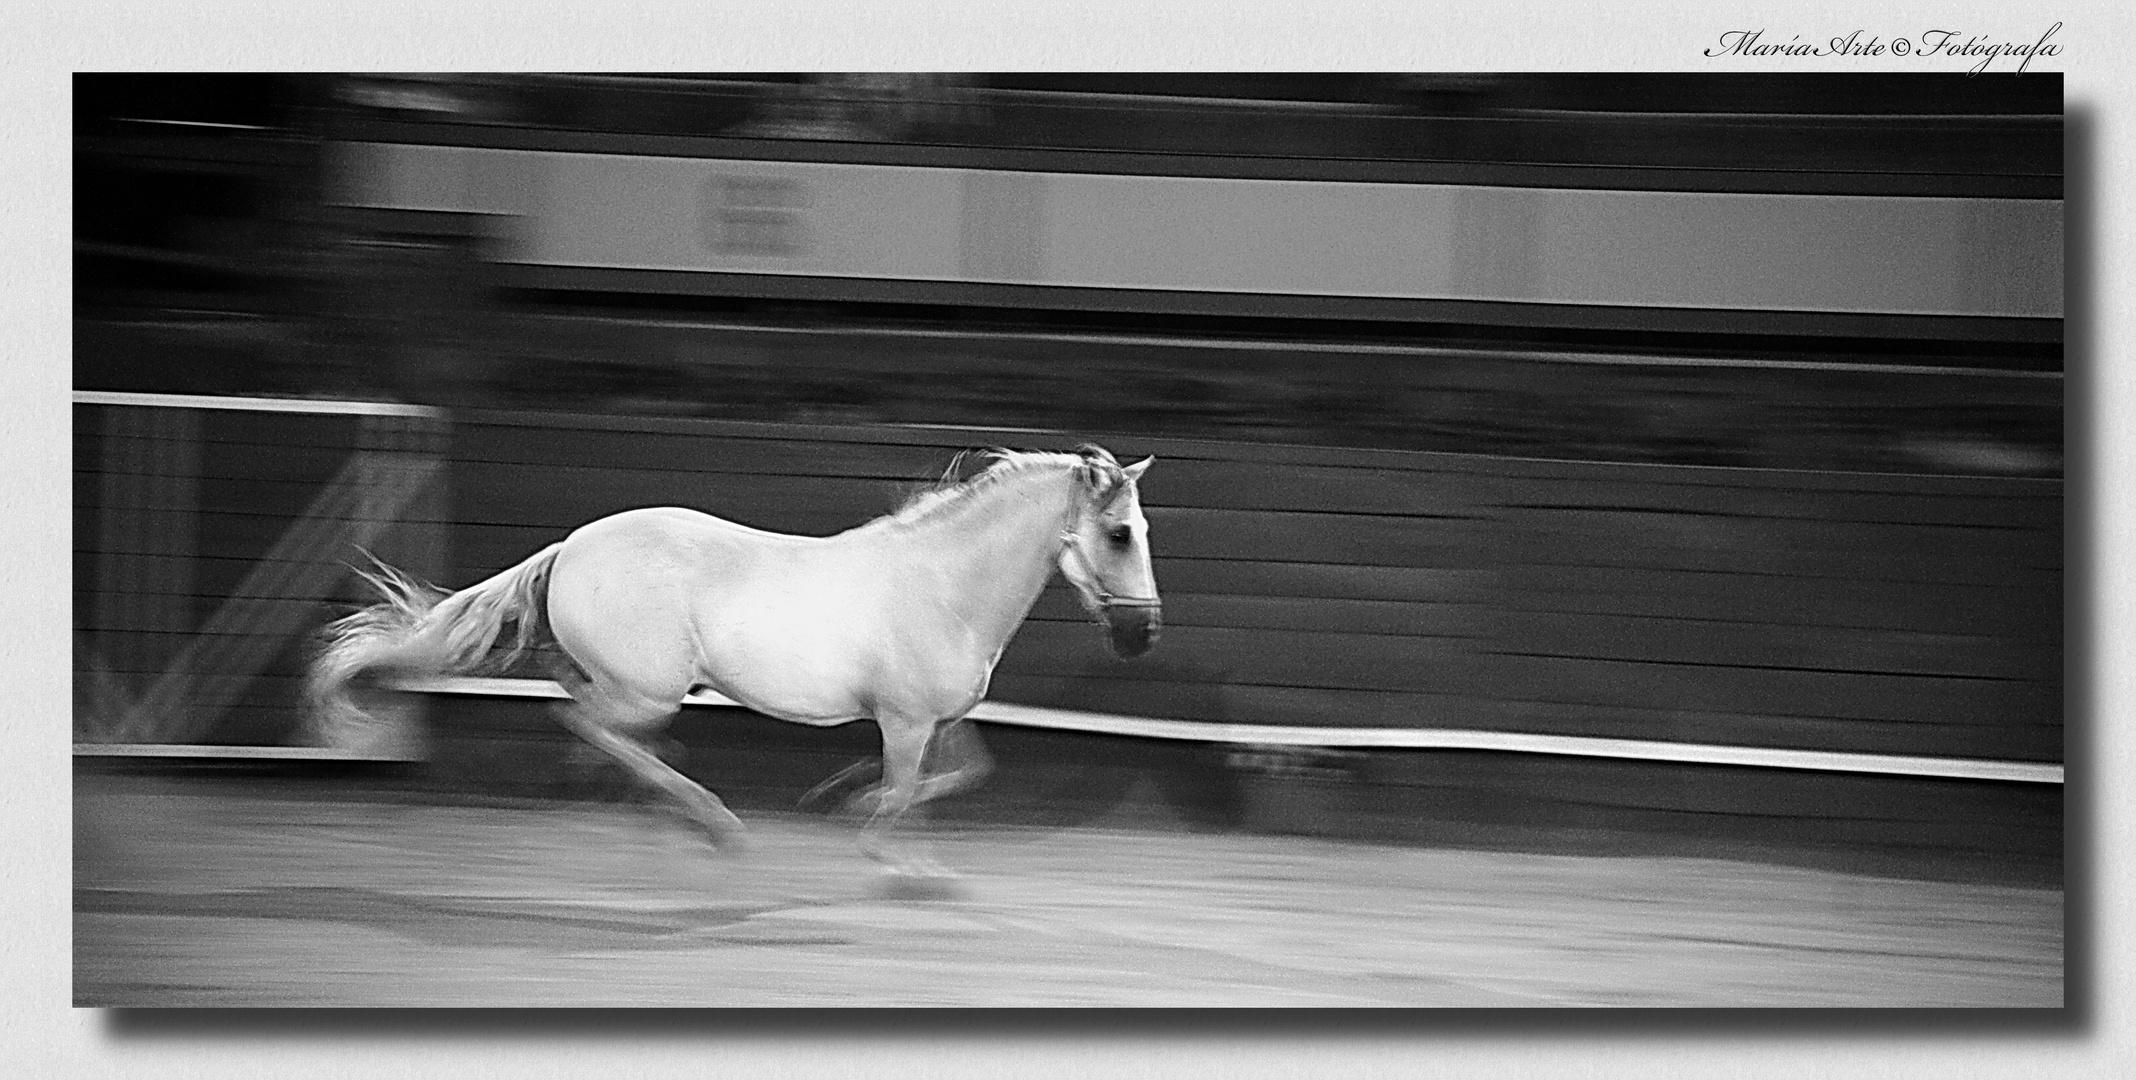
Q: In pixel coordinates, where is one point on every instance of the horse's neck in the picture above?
(998, 550)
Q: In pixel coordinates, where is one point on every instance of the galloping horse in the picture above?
(900, 620)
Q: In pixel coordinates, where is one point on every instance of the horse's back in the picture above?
(675, 524)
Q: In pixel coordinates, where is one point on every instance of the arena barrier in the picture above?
(1253, 735)
(1268, 735)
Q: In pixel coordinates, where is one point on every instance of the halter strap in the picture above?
(1073, 542)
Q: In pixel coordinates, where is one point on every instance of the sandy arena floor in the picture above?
(191, 894)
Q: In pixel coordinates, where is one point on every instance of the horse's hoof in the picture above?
(899, 885)
(728, 838)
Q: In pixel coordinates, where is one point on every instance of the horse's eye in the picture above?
(1120, 535)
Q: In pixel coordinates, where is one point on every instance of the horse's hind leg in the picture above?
(596, 776)
(604, 729)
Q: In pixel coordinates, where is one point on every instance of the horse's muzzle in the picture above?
(1133, 628)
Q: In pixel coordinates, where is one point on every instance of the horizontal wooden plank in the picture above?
(281, 684)
(1298, 579)
(323, 436)
(1561, 549)
(172, 639)
(1058, 603)
(288, 462)
(1770, 691)
(1543, 469)
(1135, 697)
(1254, 658)
(540, 448)
(251, 724)
(1353, 539)
(244, 509)
(1826, 648)
(274, 499)
(1245, 704)
(1249, 704)
(212, 577)
(225, 580)
(2026, 508)
(250, 536)
(1801, 536)
(1233, 485)
(244, 537)
(274, 429)
(1996, 607)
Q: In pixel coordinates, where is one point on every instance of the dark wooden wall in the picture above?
(1327, 587)
(1856, 612)
(1882, 613)
(207, 542)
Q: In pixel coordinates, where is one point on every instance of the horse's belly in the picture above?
(795, 669)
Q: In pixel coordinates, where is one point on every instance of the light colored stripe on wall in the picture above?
(286, 405)
(1382, 738)
(1887, 255)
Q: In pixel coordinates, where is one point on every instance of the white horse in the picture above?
(900, 620)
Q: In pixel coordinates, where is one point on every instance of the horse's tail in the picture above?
(418, 629)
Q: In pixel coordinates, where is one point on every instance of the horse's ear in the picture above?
(1097, 455)
(1134, 472)
(1087, 475)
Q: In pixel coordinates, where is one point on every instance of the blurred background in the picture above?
(1780, 252)
(1717, 411)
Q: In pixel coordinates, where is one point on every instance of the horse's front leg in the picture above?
(956, 760)
(900, 793)
(865, 774)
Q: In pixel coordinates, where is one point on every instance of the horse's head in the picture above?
(1105, 552)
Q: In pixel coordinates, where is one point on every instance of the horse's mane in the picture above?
(1001, 464)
